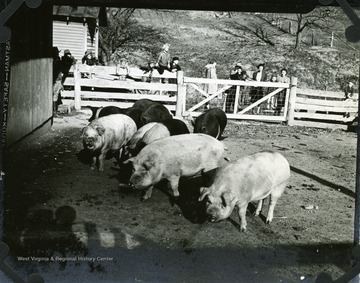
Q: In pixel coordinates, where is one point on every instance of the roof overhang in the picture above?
(80, 14)
(269, 6)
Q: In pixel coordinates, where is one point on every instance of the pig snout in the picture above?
(89, 143)
(131, 185)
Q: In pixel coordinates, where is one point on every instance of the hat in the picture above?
(67, 51)
(262, 64)
(238, 66)
(175, 58)
(166, 45)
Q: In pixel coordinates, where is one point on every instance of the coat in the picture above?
(210, 73)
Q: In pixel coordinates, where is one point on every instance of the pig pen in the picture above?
(70, 224)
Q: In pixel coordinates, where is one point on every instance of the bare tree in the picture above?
(124, 34)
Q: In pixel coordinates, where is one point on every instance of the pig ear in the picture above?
(148, 164)
(100, 130)
(130, 160)
(227, 199)
(203, 193)
(82, 132)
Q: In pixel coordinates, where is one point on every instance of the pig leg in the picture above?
(93, 163)
(259, 207)
(242, 216)
(102, 160)
(274, 196)
(148, 193)
(174, 184)
(119, 156)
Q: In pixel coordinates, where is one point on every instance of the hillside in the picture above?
(198, 37)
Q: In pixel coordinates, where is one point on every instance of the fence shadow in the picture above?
(325, 182)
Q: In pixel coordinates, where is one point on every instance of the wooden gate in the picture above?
(241, 111)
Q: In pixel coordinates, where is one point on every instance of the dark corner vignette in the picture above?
(352, 34)
(6, 11)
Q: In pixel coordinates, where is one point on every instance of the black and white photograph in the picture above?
(170, 144)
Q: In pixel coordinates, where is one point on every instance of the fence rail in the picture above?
(324, 109)
(106, 86)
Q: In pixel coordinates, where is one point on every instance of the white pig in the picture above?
(173, 157)
(109, 133)
(132, 146)
(250, 178)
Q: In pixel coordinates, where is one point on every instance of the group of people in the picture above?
(61, 68)
(249, 95)
(163, 63)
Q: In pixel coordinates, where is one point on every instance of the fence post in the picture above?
(181, 94)
(292, 99)
(77, 88)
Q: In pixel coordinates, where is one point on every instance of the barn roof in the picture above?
(76, 11)
(81, 12)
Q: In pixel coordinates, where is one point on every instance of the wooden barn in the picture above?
(34, 33)
(77, 28)
(30, 93)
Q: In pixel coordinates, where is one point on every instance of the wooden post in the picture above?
(292, 99)
(77, 88)
(181, 94)
(332, 39)
(236, 102)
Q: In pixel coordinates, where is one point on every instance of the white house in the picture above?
(77, 28)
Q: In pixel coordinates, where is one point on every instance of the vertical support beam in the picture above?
(181, 94)
(292, 98)
(357, 194)
(236, 102)
(356, 279)
(77, 88)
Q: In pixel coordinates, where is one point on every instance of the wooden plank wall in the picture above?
(30, 95)
(324, 109)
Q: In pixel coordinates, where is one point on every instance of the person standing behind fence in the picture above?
(283, 78)
(350, 95)
(57, 89)
(174, 67)
(235, 74)
(66, 62)
(122, 70)
(89, 59)
(258, 92)
(244, 98)
(163, 62)
(210, 73)
(271, 102)
(349, 90)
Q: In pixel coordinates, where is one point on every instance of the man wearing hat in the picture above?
(66, 62)
(235, 74)
(258, 92)
(89, 58)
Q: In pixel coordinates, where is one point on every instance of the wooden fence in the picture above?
(323, 109)
(102, 86)
(241, 111)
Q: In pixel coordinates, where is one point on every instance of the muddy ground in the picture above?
(71, 224)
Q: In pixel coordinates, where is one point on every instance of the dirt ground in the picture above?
(71, 224)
